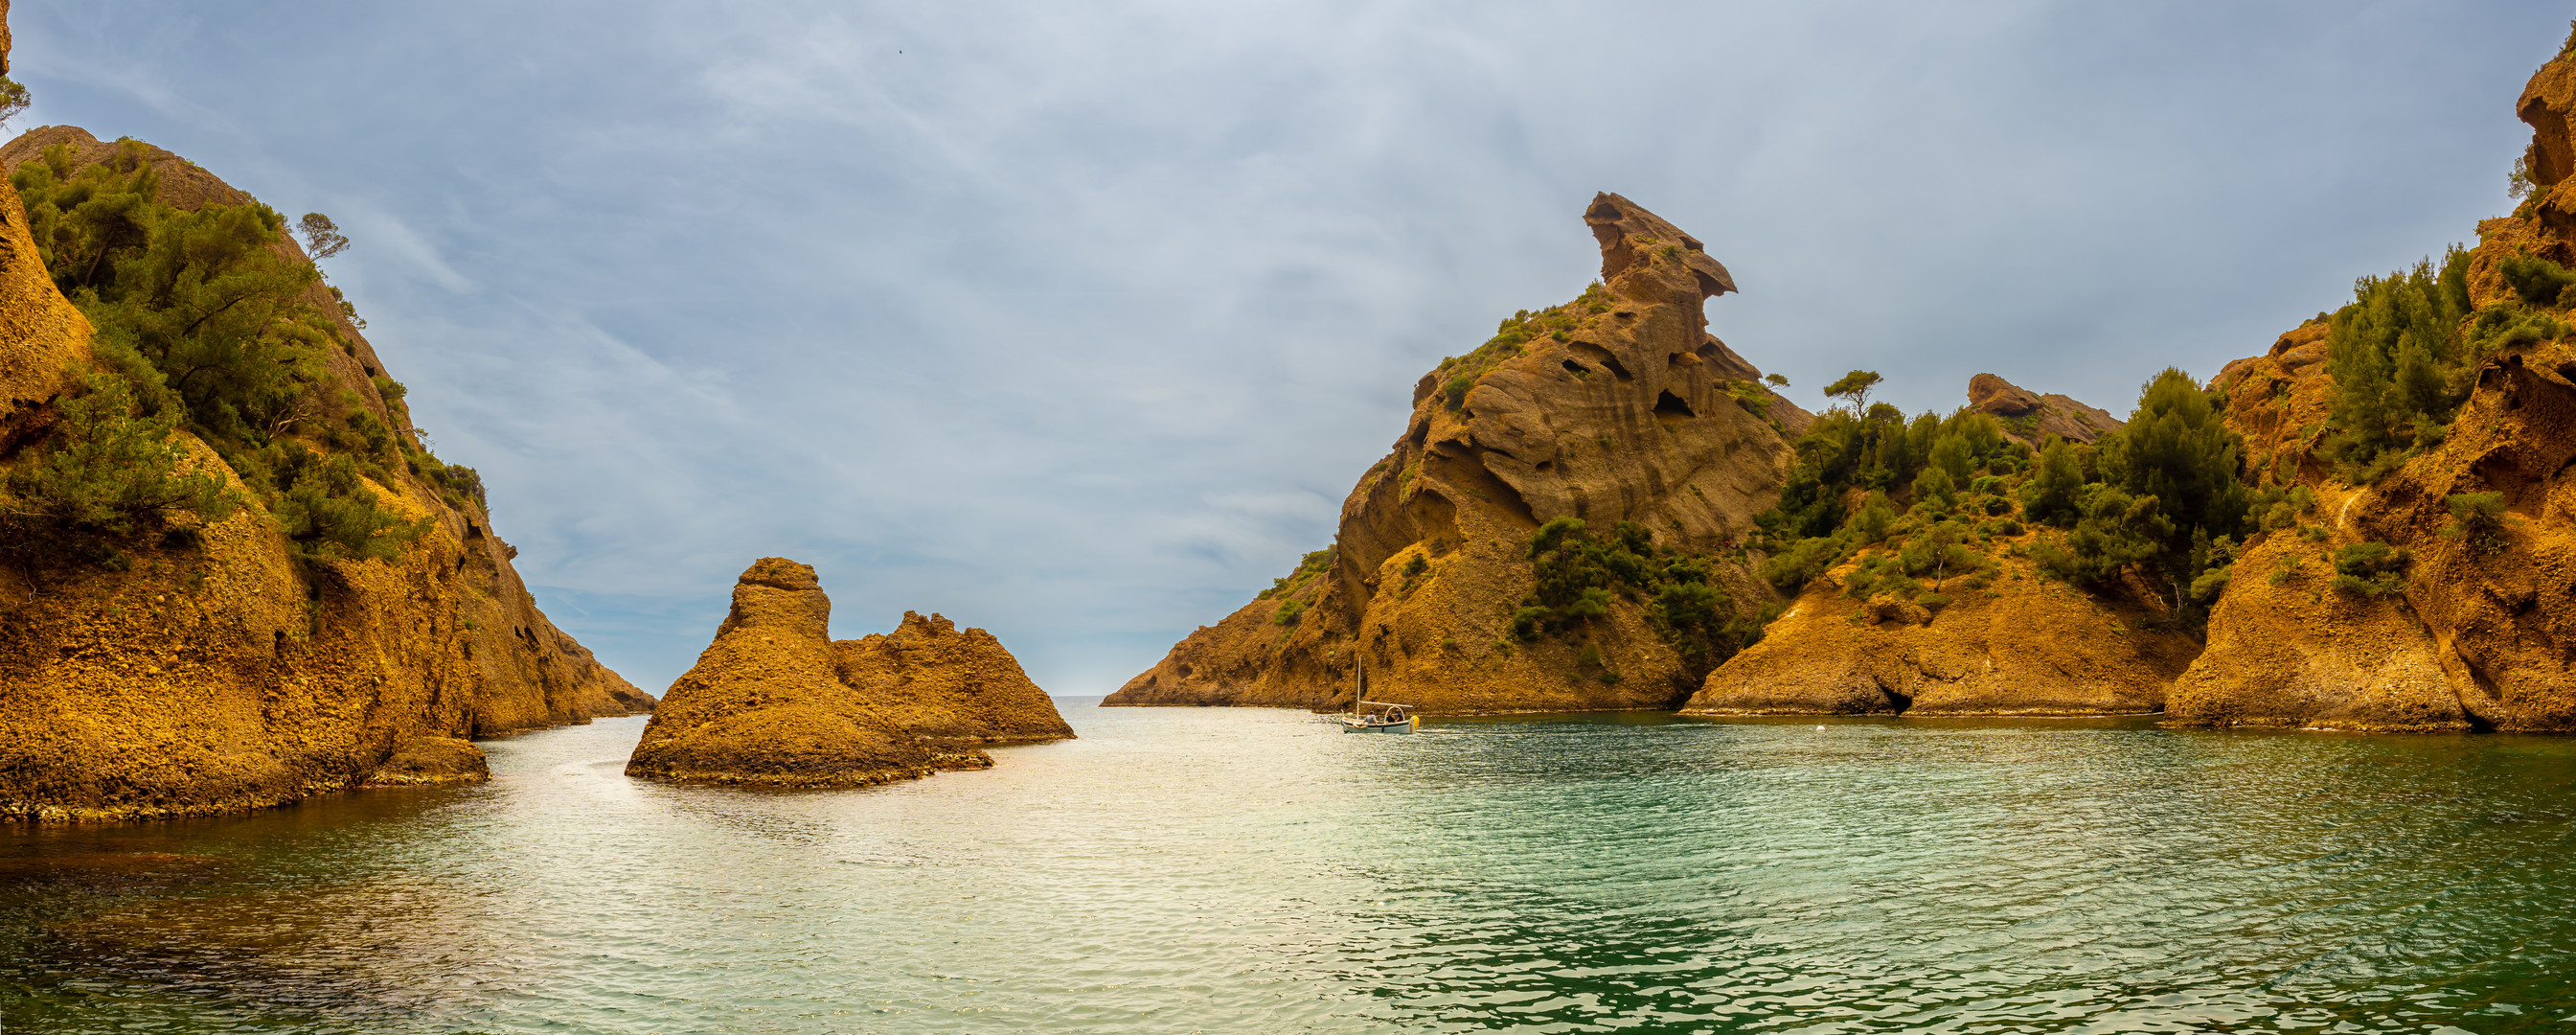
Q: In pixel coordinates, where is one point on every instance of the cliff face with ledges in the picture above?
(1619, 406)
(773, 701)
(2479, 638)
(2024, 647)
(208, 670)
(2476, 640)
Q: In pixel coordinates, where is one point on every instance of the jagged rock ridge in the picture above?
(1618, 406)
(2030, 418)
(773, 701)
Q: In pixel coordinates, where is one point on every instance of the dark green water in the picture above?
(1254, 871)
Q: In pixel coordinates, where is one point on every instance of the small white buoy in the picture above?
(1820, 729)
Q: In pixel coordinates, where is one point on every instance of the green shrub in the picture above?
(2370, 569)
(1931, 601)
(2210, 584)
(2397, 360)
(1309, 567)
(1577, 576)
(1289, 612)
(328, 514)
(2477, 517)
(2284, 567)
(2537, 281)
(110, 472)
(2117, 530)
(2053, 494)
(1802, 562)
(1934, 486)
(1456, 390)
(1416, 565)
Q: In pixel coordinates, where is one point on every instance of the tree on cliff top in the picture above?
(322, 238)
(1855, 386)
(13, 99)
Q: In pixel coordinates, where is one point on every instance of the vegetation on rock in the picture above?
(203, 321)
(1577, 575)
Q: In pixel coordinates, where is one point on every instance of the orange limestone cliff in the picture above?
(1617, 407)
(2003, 641)
(174, 665)
(2478, 629)
(775, 702)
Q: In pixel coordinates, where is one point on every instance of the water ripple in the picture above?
(1218, 870)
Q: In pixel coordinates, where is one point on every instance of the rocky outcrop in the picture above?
(2483, 636)
(2018, 646)
(774, 702)
(2290, 650)
(2030, 418)
(208, 670)
(426, 761)
(2477, 639)
(946, 685)
(1618, 406)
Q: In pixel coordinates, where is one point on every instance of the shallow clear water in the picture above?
(1255, 871)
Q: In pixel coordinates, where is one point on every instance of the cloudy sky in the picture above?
(1076, 321)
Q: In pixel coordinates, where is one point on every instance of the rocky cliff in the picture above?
(1618, 406)
(2475, 626)
(2030, 417)
(2018, 644)
(1898, 628)
(182, 666)
(773, 701)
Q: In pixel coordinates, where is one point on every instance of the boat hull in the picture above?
(1410, 724)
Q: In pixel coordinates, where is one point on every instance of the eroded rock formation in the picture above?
(2483, 635)
(1618, 406)
(774, 702)
(2030, 418)
(2024, 646)
(209, 670)
(2478, 639)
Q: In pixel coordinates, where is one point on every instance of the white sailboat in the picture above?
(1375, 716)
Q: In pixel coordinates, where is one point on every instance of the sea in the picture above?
(1257, 870)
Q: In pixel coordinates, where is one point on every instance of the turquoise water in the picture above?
(1249, 870)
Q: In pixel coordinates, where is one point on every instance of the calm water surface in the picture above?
(1255, 871)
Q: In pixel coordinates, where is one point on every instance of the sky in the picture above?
(1077, 322)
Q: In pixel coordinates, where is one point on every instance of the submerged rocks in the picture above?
(773, 701)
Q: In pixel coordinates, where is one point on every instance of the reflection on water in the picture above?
(1249, 870)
